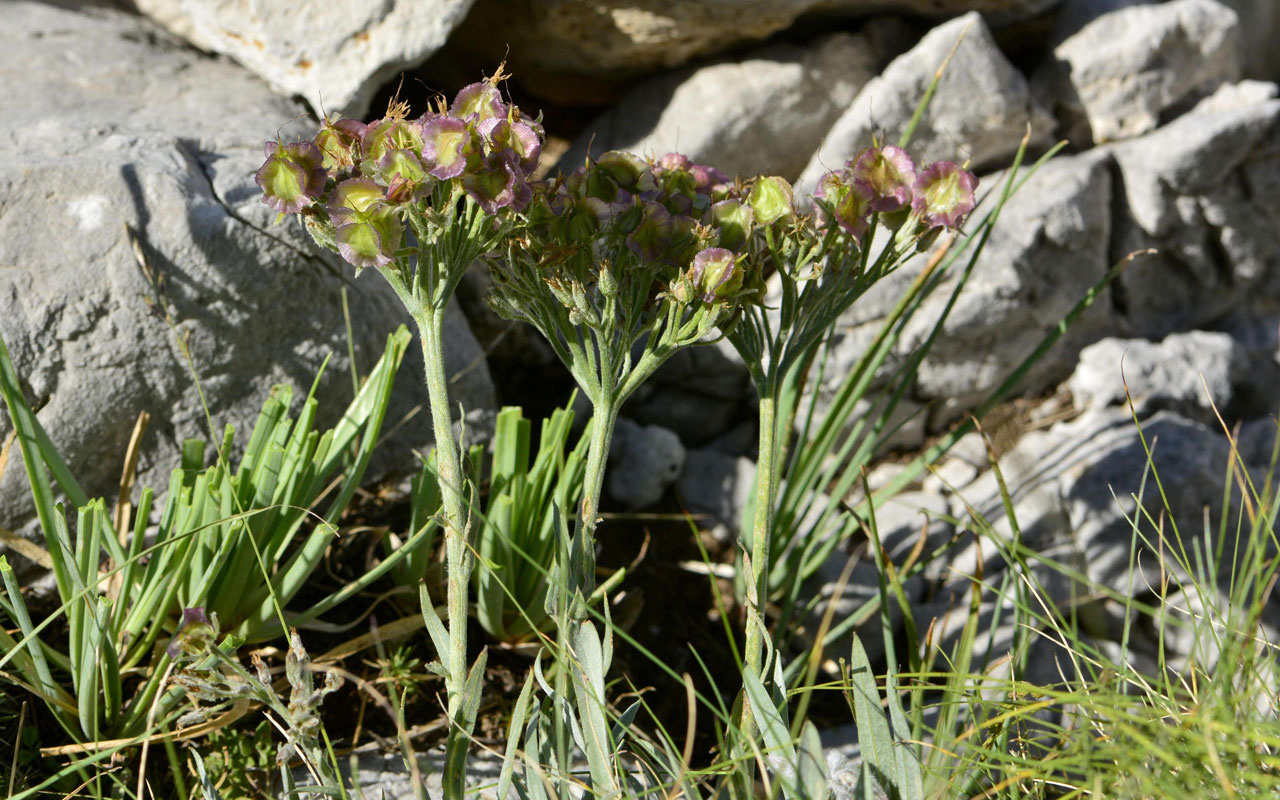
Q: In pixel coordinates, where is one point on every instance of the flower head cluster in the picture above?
(358, 184)
(677, 226)
(885, 181)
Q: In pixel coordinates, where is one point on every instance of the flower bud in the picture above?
(772, 200)
(715, 274)
(607, 283)
(848, 203)
(292, 176)
(493, 186)
(888, 174)
(944, 194)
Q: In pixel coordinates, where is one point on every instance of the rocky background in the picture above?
(151, 116)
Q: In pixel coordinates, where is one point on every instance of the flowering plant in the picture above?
(419, 200)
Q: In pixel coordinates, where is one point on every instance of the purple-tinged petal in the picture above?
(444, 141)
(194, 636)
(651, 237)
(707, 178)
(715, 274)
(491, 188)
(370, 242)
(339, 143)
(292, 177)
(389, 134)
(355, 197)
(944, 194)
(399, 164)
(888, 173)
(848, 203)
(478, 101)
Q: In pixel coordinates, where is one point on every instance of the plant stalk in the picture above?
(458, 559)
(761, 535)
(603, 421)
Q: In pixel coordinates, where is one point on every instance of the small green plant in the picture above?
(239, 542)
(518, 541)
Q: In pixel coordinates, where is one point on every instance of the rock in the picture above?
(97, 143)
(1118, 74)
(584, 51)
(335, 55)
(644, 461)
(1188, 373)
(718, 486)
(763, 114)
(1048, 247)
(980, 111)
(700, 393)
(1203, 190)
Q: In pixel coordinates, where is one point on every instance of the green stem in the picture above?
(603, 421)
(458, 557)
(761, 535)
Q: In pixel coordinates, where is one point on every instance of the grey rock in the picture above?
(1048, 247)
(980, 111)
(1203, 191)
(700, 393)
(762, 114)
(644, 461)
(335, 54)
(1189, 373)
(718, 486)
(96, 143)
(1115, 77)
(578, 51)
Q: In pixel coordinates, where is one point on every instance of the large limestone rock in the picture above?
(763, 114)
(1119, 73)
(584, 50)
(980, 111)
(1202, 190)
(96, 143)
(335, 54)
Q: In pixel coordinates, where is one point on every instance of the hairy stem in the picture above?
(761, 536)
(458, 557)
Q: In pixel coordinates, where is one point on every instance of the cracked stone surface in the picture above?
(94, 144)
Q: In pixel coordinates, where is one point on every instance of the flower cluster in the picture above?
(885, 181)
(358, 184)
(669, 223)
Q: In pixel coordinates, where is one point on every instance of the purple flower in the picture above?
(493, 187)
(848, 203)
(478, 102)
(888, 173)
(444, 141)
(944, 194)
(707, 178)
(339, 142)
(715, 274)
(194, 636)
(517, 141)
(292, 176)
(652, 235)
(367, 231)
(385, 135)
